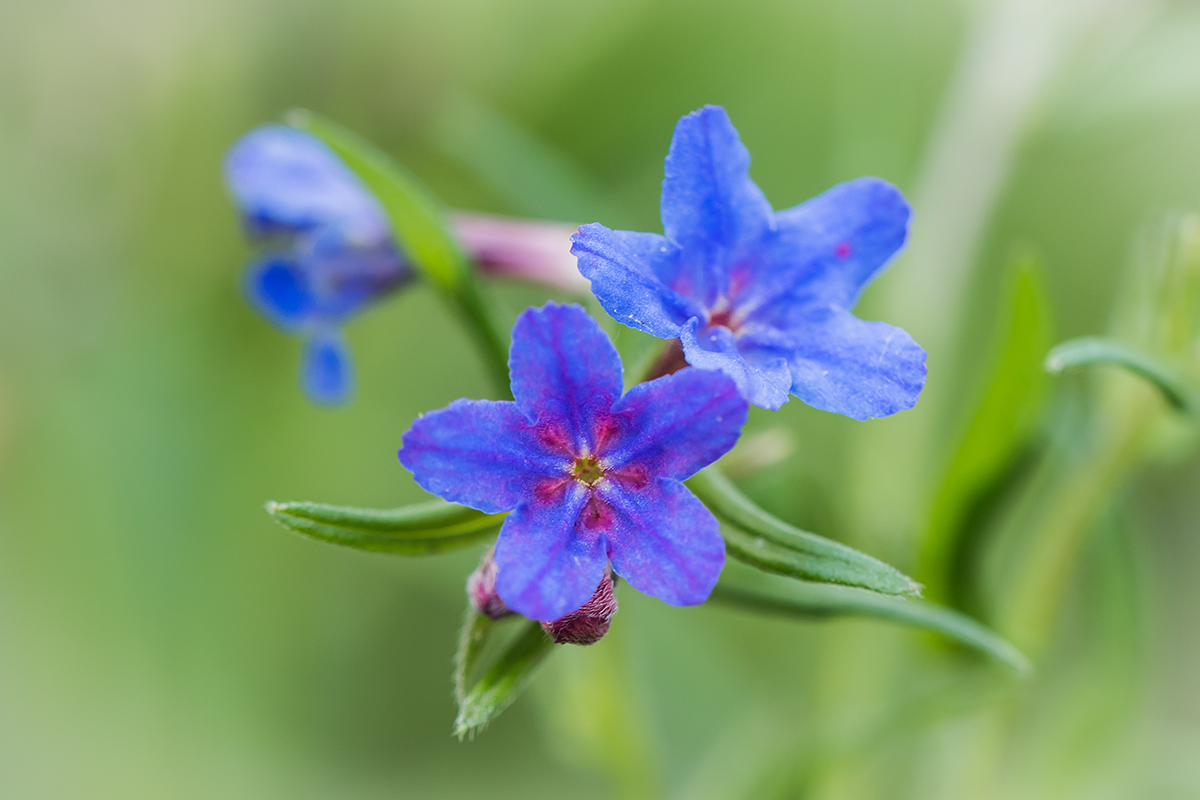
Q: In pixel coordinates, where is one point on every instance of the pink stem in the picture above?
(516, 248)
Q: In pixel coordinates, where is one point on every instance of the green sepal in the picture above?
(481, 698)
(768, 543)
(432, 527)
(1092, 350)
(419, 222)
(822, 600)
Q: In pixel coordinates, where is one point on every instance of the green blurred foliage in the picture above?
(160, 637)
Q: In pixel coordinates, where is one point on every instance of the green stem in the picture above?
(1090, 350)
(489, 337)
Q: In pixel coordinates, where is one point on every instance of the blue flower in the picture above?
(329, 251)
(763, 296)
(589, 475)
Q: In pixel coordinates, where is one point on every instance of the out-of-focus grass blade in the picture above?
(420, 224)
(516, 164)
(995, 448)
(1093, 350)
(816, 600)
(770, 543)
(479, 701)
(432, 527)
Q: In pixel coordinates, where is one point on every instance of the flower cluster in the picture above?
(329, 251)
(757, 302)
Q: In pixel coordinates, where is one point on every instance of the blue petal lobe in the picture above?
(278, 287)
(826, 250)
(764, 382)
(861, 369)
(547, 566)
(676, 425)
(564, 370)
(663, 540)
(345, 276)
(710, 207)
(284, 178)
(480, 453)
(326, 372)
(630, 274)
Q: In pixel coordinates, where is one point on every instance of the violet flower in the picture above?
(762, 296)
(590, 476)
(328, 250)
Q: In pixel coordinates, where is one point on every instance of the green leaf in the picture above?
(472, 641)
(432, 527)
(419, 222)
(479, 701)
(771, 544)
(816, 600)
(1093, 350)
(996, 446)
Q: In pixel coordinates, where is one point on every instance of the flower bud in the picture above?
(589, 624)
(481, 588)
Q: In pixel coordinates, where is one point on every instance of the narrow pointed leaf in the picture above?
(997, 447)
(816, 600)
(1092, 350)
(421, 226)
(476, 631)
(479, 701)
(772, 544)
(431, 527)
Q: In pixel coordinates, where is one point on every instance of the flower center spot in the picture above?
(588, 470)
(723, 319)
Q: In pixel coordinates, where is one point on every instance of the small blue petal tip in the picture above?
(326, 373)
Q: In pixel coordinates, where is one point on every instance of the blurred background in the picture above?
(161, 638)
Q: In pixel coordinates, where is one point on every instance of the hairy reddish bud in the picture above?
(481, 588)
(589, 624)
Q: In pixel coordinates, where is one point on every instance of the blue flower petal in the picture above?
(278, 287)
(345, 276)
(480, 453)
(631, 275)
(663, 540)
(676, 425)
(826, 250)
(564, 371)
(709, 206)
(326, 373)
(860, 369)
(764, 382)
(288, 179)
(547, 564)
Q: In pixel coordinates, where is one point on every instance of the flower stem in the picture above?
(670, 361)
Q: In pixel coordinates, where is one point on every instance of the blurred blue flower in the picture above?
(763, 296)
(589, 475)
(328, 251)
